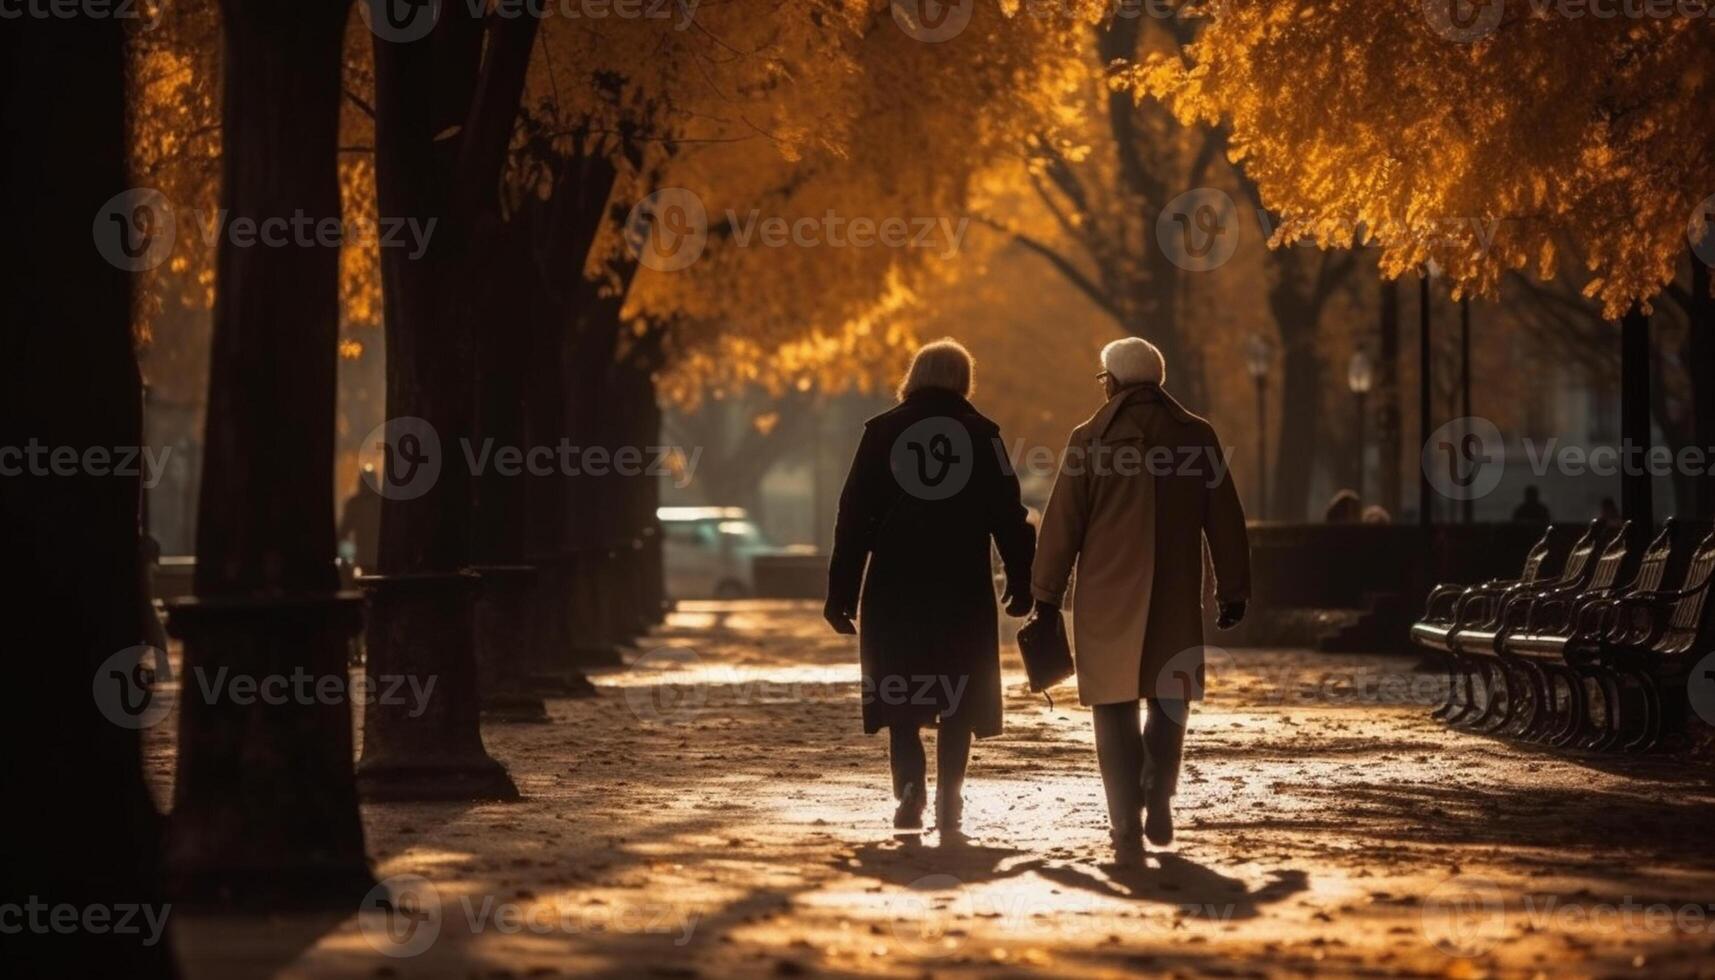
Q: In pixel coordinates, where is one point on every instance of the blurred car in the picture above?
(709, 551)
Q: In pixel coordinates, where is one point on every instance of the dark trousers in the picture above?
(1134, 760)
(952, 756)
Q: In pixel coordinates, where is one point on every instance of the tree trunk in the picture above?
(1636, 502)
(265, 805)
(1388, 412)
(83, 829)
(501, 273)
(590, 537)
(568, 223)
(1296, 304)
(1154, 303)
(422, 604)
(1678, 431)
(1300, 427)
(1700, 366)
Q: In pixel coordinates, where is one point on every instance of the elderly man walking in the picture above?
(1142, 486)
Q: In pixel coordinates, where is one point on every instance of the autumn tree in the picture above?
(1487, 148)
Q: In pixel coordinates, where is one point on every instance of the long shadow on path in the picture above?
(1173, 880)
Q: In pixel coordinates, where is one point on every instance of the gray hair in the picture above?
(943, 363)
(1134, 361)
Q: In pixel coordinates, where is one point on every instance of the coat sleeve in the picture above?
(1009, 523)
(854, 526)
(1229, 543)
(1063, 523)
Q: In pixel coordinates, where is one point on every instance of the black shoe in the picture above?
(909, 815)
(1158, 821)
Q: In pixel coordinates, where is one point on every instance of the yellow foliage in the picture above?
(1482, 156)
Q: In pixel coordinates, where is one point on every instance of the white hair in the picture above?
(943, 363)
(1134, 361)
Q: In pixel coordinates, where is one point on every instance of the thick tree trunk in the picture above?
(568, 224)
(501, 272)
(83, 830)
(638, 488)
(590, 535)
(422, 622)
(265, 805)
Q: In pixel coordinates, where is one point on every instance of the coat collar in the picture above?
(936, 396)
(1111, 421)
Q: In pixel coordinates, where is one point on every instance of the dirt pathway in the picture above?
(717, 812)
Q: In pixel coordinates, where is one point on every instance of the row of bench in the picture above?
(1589, 647)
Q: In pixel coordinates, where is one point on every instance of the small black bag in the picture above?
(1047, 655)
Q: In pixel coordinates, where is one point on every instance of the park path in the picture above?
(718, 812)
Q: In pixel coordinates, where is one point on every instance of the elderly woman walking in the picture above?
(1142, 486)
(929, 488)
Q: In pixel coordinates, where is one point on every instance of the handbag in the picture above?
(1047, 654)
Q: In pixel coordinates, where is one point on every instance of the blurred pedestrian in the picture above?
(1343, 508)
(1531, 510)
(359, 532)
(1610, 513)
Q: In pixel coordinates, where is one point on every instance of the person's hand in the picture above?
(839, 617)
(1044, 609)
(1017, 603)
(1231, 614)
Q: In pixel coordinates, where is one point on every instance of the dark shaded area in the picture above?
(82, 829)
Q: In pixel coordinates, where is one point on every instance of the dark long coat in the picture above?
(1143, 487)
(928, 489)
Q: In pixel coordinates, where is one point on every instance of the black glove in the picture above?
(1231, 614)
(1017, 603)
(839, 617)
(1044, 608)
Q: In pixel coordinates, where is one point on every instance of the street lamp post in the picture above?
(1259, 355)
(1360, 378)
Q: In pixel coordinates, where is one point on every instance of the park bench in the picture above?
(1653, 640)
(1542, 643)
(1451, 608)
(1526, 642)
(1550, 610)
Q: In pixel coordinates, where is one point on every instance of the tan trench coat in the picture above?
(1142, 485)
